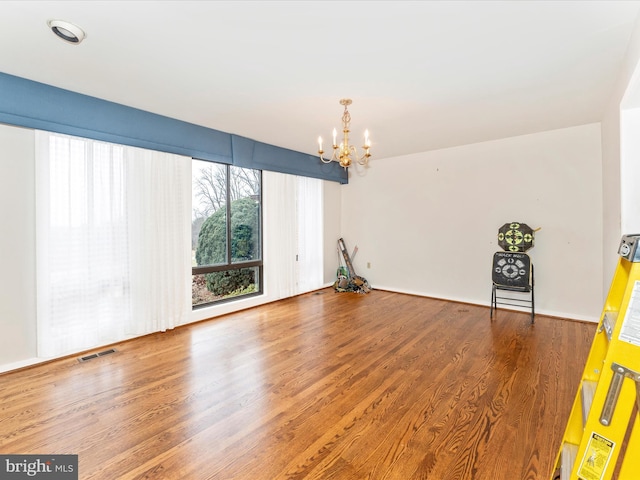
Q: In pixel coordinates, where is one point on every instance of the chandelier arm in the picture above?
(361, 160)
(334, 157)
(323, 160)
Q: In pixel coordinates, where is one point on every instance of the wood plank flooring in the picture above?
(321, 386)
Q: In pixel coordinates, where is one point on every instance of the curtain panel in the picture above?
(112, 242)
(293, 234)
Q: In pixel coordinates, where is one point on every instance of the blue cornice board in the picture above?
(31, 104)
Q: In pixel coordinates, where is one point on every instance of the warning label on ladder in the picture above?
(630, 331)
(596, 458)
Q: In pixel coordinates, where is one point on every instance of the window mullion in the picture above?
(228, 204)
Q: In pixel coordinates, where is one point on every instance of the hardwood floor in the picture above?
(322, 386)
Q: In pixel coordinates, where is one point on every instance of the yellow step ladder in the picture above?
(602, 436)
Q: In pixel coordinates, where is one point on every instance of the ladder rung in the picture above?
(588, 391)
(569, 453)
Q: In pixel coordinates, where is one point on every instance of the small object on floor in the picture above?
(349, 282)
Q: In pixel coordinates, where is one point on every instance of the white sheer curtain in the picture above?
(160, 239)
(113, 242)
(310, 234)
(279, 234)
(293, 232)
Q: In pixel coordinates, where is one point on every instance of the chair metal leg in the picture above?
(493, 301)
(533, 305)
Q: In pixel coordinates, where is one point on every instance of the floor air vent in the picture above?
(96, 355)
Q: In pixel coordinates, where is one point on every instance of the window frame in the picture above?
(230, 265)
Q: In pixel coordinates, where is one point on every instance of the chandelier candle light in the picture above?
(343, 153)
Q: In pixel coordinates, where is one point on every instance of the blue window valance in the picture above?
(36, 105)
(262, 156)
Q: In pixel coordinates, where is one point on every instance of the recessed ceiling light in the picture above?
(67, 31)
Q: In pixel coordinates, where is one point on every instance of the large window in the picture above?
(226, 233)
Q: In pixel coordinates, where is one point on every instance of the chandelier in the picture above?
(345, 153)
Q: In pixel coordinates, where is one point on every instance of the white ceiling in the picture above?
(423, 75)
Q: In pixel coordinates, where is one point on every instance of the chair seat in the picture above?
(524, 289)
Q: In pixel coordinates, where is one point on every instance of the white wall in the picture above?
(17, 247)
(611, 154)
(630, 170)
(427, 223)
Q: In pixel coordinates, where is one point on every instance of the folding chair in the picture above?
(513, 273)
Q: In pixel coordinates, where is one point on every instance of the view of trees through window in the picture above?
(226, 233)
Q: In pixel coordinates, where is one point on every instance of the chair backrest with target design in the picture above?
(512, 269)
(513, 272)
